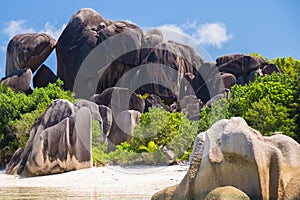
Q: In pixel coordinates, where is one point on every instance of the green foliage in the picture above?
(159, 128)
(288, 66)
(270, 103)
(209, 115)
(144, 96)
(129, 157)
(19, 112)
(152, 147)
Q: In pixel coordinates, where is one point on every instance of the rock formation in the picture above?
(231, 153)
(19, 80)
(43, 77)
(76, 42)
(122, 126)
(130, 37)
(94, 54)
(60, 140)
(28, 50)
(153, 100)
(126, 109)
(119, 99)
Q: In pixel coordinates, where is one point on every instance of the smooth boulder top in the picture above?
(28, 50)
(231, 153)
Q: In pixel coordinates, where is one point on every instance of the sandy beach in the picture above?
(137, 182)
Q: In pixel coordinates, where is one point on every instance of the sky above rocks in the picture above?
(216, 27)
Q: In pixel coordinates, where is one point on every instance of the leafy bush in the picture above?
(159, 128)
(19, 111)
(157, 132)
(270, 103)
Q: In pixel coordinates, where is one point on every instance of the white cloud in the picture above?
(212, 34)
(15, 27)
(52, 30)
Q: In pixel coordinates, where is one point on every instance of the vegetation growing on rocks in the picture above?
(269, 104)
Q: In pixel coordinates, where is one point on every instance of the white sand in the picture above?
(94, 183)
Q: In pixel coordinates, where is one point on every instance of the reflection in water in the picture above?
(17, 193)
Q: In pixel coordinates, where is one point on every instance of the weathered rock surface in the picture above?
(19, 80)
(207, 82)
(122, 126)
(84, 32)
(164, 70)
(60, 140)
(130, 41)
(231, 153)
(28, 50)
(270, 68)
(77, 40)
(43, 77)
(228, 192)
(190, 106)
(107, 119)
(119, 99)
(228, 79)
(152, 38)
(239, 64)
(153, 100)
(126, 108)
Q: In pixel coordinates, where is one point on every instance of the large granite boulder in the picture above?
(59, 141)
(43, 77)
(28, 50)
(163, 71)
(118, 51)
(231, 153)
(207, 82)
(126, 108)
(240, 64)
(130, 41)
(119, 99)
(77, 40)
(122, 127)
(19, 80)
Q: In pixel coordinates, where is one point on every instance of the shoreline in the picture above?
(112, 182)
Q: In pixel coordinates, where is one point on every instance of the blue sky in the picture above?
(270, 27)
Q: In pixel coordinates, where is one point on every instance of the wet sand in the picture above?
(137, 182)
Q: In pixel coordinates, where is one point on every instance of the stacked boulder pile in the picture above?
(111, 64)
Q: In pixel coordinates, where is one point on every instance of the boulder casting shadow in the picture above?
(231, 153)
(60, 140)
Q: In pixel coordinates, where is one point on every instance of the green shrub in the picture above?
(270, 103)
(159, 128)
(19, 112)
